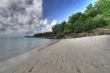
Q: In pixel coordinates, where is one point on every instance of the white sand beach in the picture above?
(79, 55)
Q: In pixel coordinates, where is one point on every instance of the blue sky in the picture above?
(61, 9)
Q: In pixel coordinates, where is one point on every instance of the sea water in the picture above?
(12, 47)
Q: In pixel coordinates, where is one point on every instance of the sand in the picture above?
(80, 55)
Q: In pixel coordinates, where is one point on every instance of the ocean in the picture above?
(12, 47)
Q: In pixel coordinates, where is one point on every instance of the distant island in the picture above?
(94, 21)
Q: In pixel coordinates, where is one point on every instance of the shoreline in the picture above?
(71, 37)
(15, 60)
(79, 55)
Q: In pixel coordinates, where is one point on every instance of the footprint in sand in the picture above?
(79, 70)
(94, 65)
(31, 69)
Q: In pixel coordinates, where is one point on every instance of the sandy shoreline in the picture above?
(80, 55)
(15, 60)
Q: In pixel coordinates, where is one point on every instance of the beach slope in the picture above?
(80, 55)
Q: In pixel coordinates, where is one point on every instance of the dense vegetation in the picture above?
(95, 16)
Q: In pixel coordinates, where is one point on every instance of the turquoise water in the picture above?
(11, 47)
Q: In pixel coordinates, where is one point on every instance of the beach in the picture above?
(75, 55)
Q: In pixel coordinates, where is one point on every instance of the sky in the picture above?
(28, 17)
(62, 9)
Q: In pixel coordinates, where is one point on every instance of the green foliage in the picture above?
(76, 17)
(46, 34)
(104, 7)
(61, 29)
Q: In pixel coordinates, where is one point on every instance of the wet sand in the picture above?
(80, 55)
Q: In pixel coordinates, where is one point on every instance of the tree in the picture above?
(104, 7)
(89, 7)
(75, 17)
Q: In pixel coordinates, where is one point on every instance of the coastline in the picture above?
(79, 55)
(15, 60)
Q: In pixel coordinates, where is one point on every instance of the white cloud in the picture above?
(49, 27)
(22, 17)
(53, 23)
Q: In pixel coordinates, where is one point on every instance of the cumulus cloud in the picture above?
(48, 26)
(22, 17)
(53, 23)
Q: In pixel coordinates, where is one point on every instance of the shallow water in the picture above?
(11, 47)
